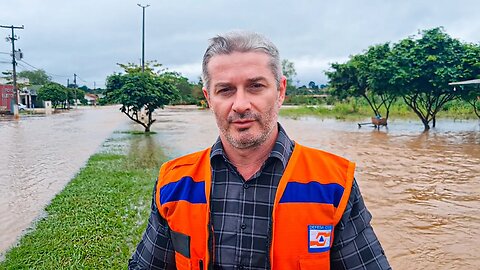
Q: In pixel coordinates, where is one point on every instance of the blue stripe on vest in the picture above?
(312, 192)
(184, 189)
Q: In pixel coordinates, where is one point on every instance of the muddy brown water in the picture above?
(39, 155)
(422, 188)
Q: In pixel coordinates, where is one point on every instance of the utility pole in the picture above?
(75, 85)
(143, 36)
(14, 63)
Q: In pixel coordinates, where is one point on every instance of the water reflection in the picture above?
(144, 152)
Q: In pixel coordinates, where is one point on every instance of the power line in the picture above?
(51, 74)
(12, 39)
(82, 79)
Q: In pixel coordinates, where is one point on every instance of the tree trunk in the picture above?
(474, 105)
(426, 125)
(375, 111)
(434, 121)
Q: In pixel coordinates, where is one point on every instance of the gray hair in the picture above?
(241, 41)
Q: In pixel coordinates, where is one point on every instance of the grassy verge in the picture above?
(97, 220)
(356, 109)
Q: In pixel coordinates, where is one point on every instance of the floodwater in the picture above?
(423, 189)
(39, 155)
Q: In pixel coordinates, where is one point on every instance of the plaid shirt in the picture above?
(241, 214)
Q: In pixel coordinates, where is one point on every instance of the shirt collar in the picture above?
(282, 150)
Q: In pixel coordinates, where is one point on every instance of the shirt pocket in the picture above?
(181, 245)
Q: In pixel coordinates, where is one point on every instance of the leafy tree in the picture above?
(197, 94)
(85, 88)
(417, 68)
(288, 70)
(312, 85)
(473, 98)
(141, 93)
(365, 75)
(54, 92)
(183, 86)
(76, 93)
(36, 77)
(423, 67)
(470, 92)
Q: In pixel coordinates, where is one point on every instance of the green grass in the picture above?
(136, 132)
(356, 109)
(97, 220)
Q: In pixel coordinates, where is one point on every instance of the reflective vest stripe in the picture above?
(184, 189)
(310, 200)
(312, 192)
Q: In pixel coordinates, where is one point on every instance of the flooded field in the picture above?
(423, 189)
(39, 155)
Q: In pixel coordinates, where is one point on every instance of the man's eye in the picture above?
(257, 86)
(224, 91)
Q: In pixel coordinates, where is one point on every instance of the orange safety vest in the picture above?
(310, 200)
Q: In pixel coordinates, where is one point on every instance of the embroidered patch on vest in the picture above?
(319, 237)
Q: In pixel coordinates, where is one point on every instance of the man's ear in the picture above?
(206, 95)
(282, 90)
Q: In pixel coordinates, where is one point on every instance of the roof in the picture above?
(476, 81)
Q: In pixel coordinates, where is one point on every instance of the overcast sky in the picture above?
(89, 37)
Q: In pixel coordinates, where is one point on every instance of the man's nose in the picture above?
(241, 103)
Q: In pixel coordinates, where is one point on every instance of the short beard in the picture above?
(251, 142)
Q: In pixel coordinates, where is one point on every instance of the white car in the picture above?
(21, 107)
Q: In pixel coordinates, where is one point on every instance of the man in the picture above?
(255, 199)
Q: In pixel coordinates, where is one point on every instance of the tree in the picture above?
(365, 75)
(140, 93)
(85, 88)
(36, 77)
(54, 92)
(470, 92)
(288, 70)
(417, 68)
(312, 85)
(184, 87)
(423, 68)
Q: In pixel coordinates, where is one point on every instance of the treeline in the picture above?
(46, 90)
(417, 70)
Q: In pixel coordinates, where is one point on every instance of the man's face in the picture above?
(244, 97)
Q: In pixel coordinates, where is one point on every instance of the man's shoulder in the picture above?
(186, 160)
(318, 153)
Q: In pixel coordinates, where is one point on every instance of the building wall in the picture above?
(6, 97)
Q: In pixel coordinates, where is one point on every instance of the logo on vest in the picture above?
(319, 237)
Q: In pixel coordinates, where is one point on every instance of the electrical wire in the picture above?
(51, 74)
(29, 66)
